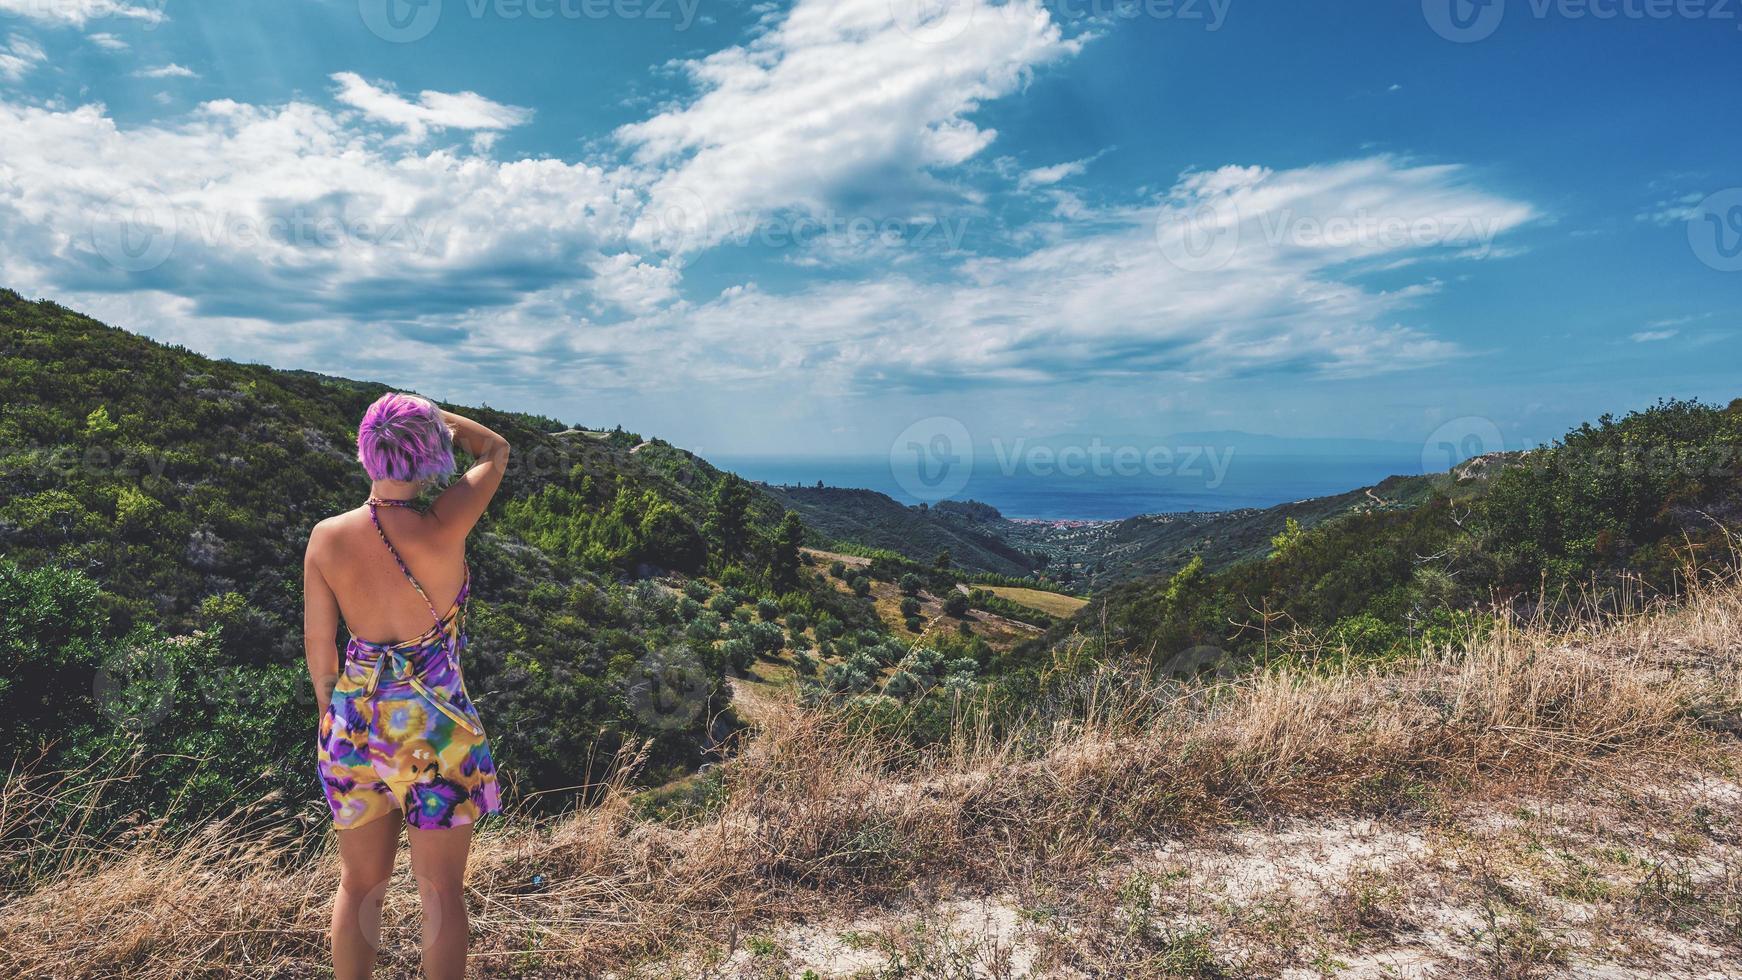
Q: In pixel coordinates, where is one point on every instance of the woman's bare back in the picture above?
(376, 601)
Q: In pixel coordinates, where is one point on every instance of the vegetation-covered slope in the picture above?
(1615, 510)
(1545, 803)
(974, 534)
(1084, 555)
(154, 505)
(1097, 555)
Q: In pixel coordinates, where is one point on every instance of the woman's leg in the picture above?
(438, 859)
(366, 856)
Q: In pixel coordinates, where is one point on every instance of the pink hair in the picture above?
(404, 437)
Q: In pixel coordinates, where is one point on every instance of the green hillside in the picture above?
(1100, 555)
(974, 534)
(154, 505)
(1086, 555)
(1617, 511)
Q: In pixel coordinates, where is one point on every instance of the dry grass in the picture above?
(999, 632)
(814, 821)
(1051, 603)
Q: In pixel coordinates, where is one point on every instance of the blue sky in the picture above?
(802, 227)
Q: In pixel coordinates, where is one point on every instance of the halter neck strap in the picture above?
(389, 502)
(465, 586)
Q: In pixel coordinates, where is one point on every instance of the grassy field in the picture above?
(1051, 603)
(1000, 633)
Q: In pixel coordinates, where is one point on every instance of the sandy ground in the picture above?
(1626, 882)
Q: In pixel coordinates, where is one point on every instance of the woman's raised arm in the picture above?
(458, 507)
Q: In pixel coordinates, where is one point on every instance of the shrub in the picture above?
(854, 675)
(766, 638)
(740, 653)
(705, 628)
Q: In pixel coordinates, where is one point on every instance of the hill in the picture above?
(1095, 555)
(1087, 555)
(976, 535)
(1615, 512)
(153, 509)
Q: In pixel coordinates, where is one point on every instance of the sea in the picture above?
(1223, 481)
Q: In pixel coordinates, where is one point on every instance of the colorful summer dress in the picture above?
(401, 730)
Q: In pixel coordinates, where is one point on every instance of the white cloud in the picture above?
(108, 42)
(1672, 211)
(19, 57)
(341, 222)
(1651, 336)
(295, 213)
(1047, 176)
(167, 71)
(78, 13)
(834, 100)
(432, 110)
(1098, 299)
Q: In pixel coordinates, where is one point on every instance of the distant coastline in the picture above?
(1250, 481)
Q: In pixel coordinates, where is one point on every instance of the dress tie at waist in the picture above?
(403, 668)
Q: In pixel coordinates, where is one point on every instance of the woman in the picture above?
(400, 741)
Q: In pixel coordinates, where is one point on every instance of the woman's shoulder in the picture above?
(328, 528)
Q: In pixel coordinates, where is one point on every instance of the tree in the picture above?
(728, 515)
(956, 604)
(943, 559)
(784, 563)
(669, 540)
(1283, 543)
(911, 584)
